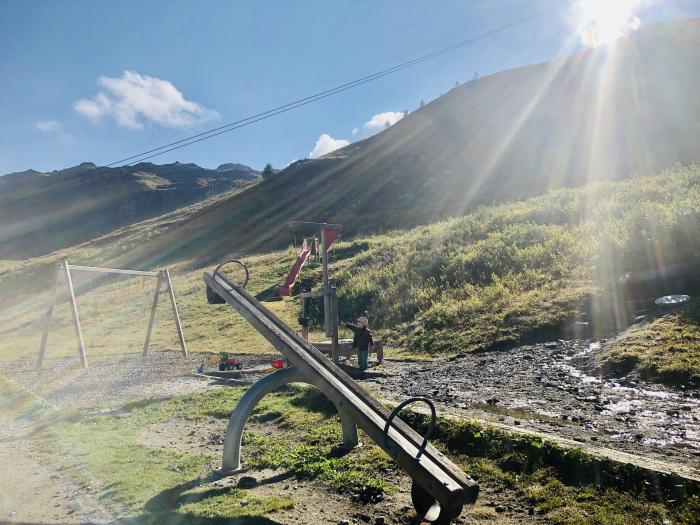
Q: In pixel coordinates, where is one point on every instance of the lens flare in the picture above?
(603, 21)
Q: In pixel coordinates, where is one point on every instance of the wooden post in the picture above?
(49, 317)
(152, 317)
(171, 292)
(74, 311)
(326, 297)
(335, 354)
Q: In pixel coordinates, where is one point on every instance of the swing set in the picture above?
(63, 276)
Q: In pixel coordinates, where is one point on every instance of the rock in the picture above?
(344, 522)
(363, 517)
(244, 502)
(247, 482)
(500, 508)
(379, 520)
(493, 401)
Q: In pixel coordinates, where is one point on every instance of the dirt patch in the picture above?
(32, 492)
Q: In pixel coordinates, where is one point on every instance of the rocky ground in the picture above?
(550, 388)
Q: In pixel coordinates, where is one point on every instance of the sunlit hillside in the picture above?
(607, 114)
(502, 275)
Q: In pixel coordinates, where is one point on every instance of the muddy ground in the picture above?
(550, 388)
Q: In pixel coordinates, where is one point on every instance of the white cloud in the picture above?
(355, 131)
(134, 100)
(325, 144)
(379, 121)
(48, 126)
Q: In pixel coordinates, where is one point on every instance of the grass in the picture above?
(156, 485)
(508, 274)
(160, 485)
(667, 348)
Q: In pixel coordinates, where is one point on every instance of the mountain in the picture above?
(41, 212)
(606, 114)
(631, 107)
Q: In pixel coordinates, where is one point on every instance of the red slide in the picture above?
(286, 288)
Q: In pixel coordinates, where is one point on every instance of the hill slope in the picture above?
(41, 212)
(602, 115)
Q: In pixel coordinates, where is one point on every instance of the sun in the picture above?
(602, 21)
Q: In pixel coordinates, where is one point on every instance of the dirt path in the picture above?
(31, 492)
(546, 388)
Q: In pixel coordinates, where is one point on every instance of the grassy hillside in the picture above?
(42, 212)
(601, 115)
(499, 276)
(667, 348)
(506, 274)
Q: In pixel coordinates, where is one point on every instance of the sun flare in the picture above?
(602, 21)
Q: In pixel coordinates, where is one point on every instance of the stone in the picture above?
(247, 482)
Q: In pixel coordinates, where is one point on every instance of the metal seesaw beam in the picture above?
(431, 470)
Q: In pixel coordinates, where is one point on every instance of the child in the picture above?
(362, 339)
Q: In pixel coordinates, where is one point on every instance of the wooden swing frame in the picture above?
(63, 275)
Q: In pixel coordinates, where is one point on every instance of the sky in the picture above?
(97, 81)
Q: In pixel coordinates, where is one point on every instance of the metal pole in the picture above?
(334, 326)
(74, 310)
(154, 305)
(49, 317)
(171, 292)
(326, 299)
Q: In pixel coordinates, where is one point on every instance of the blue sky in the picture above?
(98, 80)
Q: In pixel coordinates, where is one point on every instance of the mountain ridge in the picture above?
(42, 212)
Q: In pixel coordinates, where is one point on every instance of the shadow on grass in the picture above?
(162, 508)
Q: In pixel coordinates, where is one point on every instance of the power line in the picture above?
(199, 137)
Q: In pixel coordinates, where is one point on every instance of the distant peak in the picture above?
(231, 166)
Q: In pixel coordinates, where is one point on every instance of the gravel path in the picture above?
(114, 379)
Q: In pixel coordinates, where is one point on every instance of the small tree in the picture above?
(267, 170)
(421, 104)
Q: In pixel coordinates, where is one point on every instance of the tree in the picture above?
(422, 103)
(476, 75)
(267, 170)
(387, 125)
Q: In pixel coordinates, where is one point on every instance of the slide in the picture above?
(286, 288)
(429, 468)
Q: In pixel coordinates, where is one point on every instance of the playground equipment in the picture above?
(63, 275)
(439, 490)
(329, 233)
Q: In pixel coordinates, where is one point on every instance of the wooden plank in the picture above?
(49, 317)
(151, 318)
(171, 293)
(112, 270)
(74, 311)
